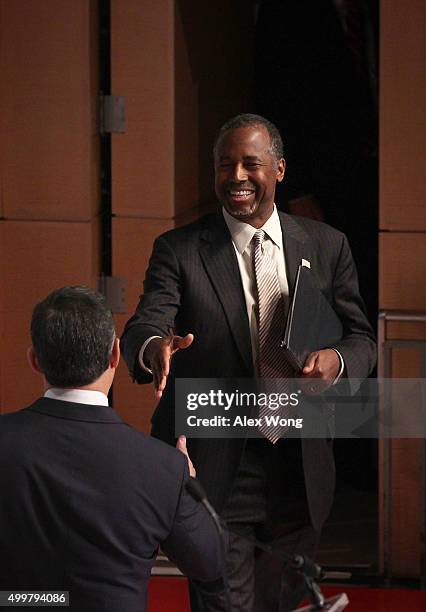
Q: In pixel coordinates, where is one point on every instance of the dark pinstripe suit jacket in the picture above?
(193, 285)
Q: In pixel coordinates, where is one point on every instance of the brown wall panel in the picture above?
(406, 485)
(132, 241)
(48, 146)
(402, 115)
(402, 271)
(402, 267)
(37, 257)
(405, 331)
(405, 478)
(142, 70)
(406, 523)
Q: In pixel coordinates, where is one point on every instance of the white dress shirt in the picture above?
(78, 396)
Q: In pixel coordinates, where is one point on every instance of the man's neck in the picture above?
(102, 385)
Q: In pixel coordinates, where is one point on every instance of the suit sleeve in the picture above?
(194, 544)
(358, 347)
(157, 308)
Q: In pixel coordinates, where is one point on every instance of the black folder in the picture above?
(311, 324)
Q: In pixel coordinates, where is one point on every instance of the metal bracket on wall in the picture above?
(111, 115)
(114, 288)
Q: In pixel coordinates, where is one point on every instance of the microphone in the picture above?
(196, 490)
(307, 566)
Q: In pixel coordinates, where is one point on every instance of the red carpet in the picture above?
(171, 595)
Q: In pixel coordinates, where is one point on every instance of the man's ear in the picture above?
(115, 354)
(281, 170)
(33, 361)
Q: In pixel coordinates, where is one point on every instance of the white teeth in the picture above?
(240, 193)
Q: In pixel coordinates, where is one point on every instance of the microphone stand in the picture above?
(310, 571)
(332, 604)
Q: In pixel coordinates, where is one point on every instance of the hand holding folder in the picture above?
(311, 323)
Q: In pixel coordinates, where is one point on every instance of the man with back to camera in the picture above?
(202, 282)
(86, 499)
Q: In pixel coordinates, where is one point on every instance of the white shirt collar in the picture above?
(78, 396)
(242, 233)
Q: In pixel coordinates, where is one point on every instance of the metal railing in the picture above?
(385, 370)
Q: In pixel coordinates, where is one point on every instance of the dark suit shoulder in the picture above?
(10, 419)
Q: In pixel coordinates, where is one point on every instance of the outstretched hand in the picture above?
(158, 354)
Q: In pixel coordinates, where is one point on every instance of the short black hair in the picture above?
(72, 332)
(251, 120)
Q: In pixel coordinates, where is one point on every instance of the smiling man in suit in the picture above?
(202, 282)
(86, 499)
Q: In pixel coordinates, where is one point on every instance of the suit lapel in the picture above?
(296, 247)
(218, 255)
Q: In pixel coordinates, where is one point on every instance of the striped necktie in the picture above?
(271, 318)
